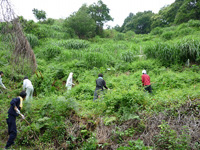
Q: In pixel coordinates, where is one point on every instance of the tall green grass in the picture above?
(175, 52)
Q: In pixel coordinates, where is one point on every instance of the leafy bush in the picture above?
(74, 44)
(157, 31)
(178, 52)
(94, 59)
(170, 139)
(33, 40)
(52, 51)
(127, 56)
(167, 35)
(119, 36)
(194, 23)
(135, 145)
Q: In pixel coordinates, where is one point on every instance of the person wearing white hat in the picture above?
(146, 81)
(69, 81)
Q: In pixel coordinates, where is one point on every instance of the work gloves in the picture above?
(18, 112)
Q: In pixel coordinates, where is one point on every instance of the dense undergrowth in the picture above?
(125, 117)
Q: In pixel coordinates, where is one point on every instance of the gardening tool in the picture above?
(29, 125)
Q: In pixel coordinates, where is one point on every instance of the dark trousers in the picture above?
(97, 93)
(148, 88)
(12, 130)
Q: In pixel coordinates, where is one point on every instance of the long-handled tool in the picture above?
(29, 125)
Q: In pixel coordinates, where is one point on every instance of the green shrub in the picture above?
(52, 51)
(94, 59)
(33, 40)
(185, 31)
(170, 139)
(167, 35)
(127, 56)
(177, 52)
(194, 23)
(74, 44)
(119, 36)
(157, 31)
(135, 145)
(42, 32)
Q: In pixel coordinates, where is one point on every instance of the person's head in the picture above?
(23, 94)
(25, 77)
(1, 73)
(71, 74)
(144, 72)
(100, 75)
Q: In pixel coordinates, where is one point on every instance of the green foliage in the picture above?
(179, 52)
(33, 40)
(100, 14)
(188, 10)
(139, 23)
(39, 14)
(135, 145)
(127, 56)
(74, 44)
(167, 35)
(49, 21)
(82, 23)
(52, 51)
(119, 36)
(170, 139)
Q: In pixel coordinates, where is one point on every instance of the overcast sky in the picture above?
(119, 9)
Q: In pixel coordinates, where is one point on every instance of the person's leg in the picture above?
(12, 129)
(27, 94)
(31, 93)
(149, 89)
(95, 95)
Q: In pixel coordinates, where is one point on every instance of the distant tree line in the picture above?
(178, 12)
(88, 21)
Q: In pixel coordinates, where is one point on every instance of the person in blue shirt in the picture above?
(100, 83)
(16, 105)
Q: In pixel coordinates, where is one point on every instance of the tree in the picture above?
(125, 24)
(82, 23)
(100, 13)
(189, 10)
(39, 14)
(139, 23)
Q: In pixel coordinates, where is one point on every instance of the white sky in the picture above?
(119, 9)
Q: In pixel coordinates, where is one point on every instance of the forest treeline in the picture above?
(89, 21)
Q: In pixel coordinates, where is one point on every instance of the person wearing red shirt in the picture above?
(146, 81)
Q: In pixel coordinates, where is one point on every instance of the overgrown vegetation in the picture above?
(124, 117)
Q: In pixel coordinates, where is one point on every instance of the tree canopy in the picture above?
(100, 13)
(82, 23)
(39, 14)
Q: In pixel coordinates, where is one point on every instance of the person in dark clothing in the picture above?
(13, 112)
(100, 83)
(146, 81)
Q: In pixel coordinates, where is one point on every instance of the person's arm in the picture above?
(18, 112)
(142, 81)
(1, 83)
(104, 84)
(24, 85)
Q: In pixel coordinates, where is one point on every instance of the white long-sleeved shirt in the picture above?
(69, 80)
(1, 83)
(27, 83)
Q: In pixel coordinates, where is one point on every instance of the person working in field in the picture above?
(29, 88)
(100, 83)
(1, 83)
(146, 81)
(69, 82)
(14, 111)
